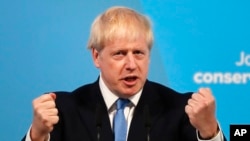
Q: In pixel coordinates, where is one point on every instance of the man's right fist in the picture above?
(45, 116)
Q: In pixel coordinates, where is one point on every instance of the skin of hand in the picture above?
(201, 112)
(45, 117)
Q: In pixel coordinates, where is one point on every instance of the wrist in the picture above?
(36, 136)
(209, 134)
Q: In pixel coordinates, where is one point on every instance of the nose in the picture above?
(130, 62)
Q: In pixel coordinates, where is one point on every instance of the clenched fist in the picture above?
(201, 112)
(45, 116)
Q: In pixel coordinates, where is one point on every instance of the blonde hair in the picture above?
(119, 23)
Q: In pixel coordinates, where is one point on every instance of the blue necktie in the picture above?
(120, 124)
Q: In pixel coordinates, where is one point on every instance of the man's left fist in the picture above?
(201, 112)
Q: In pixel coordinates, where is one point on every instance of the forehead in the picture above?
(139, 43)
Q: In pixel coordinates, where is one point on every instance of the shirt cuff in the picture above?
(218, 137)
(27, 138)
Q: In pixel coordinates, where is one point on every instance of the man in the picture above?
(120, 43)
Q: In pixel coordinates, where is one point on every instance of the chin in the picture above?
(130, 93)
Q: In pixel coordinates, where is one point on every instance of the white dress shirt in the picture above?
(110, 100)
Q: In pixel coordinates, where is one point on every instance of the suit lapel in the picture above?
(88, 102)
(148, 98)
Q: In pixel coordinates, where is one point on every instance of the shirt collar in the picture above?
(110, 98)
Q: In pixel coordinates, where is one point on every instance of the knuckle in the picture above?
(200, 89)
(196, 111)
(57, 119)
(53, 103)
(56, 111)
(193, 95)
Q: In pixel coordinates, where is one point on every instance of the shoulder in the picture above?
(167, 94)
(80, 95)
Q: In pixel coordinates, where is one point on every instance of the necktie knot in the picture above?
(121, 103)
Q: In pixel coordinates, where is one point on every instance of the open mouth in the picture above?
(130, 78)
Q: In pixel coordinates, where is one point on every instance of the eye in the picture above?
(118, 53)
(138, 52)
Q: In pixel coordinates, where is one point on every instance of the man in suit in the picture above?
(120, 43)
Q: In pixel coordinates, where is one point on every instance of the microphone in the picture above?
(98, 121)
(147, 121)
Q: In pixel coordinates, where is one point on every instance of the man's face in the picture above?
(123, 65)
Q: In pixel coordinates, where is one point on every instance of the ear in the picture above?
(95, 56)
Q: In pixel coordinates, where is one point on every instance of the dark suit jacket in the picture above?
(77, 115)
